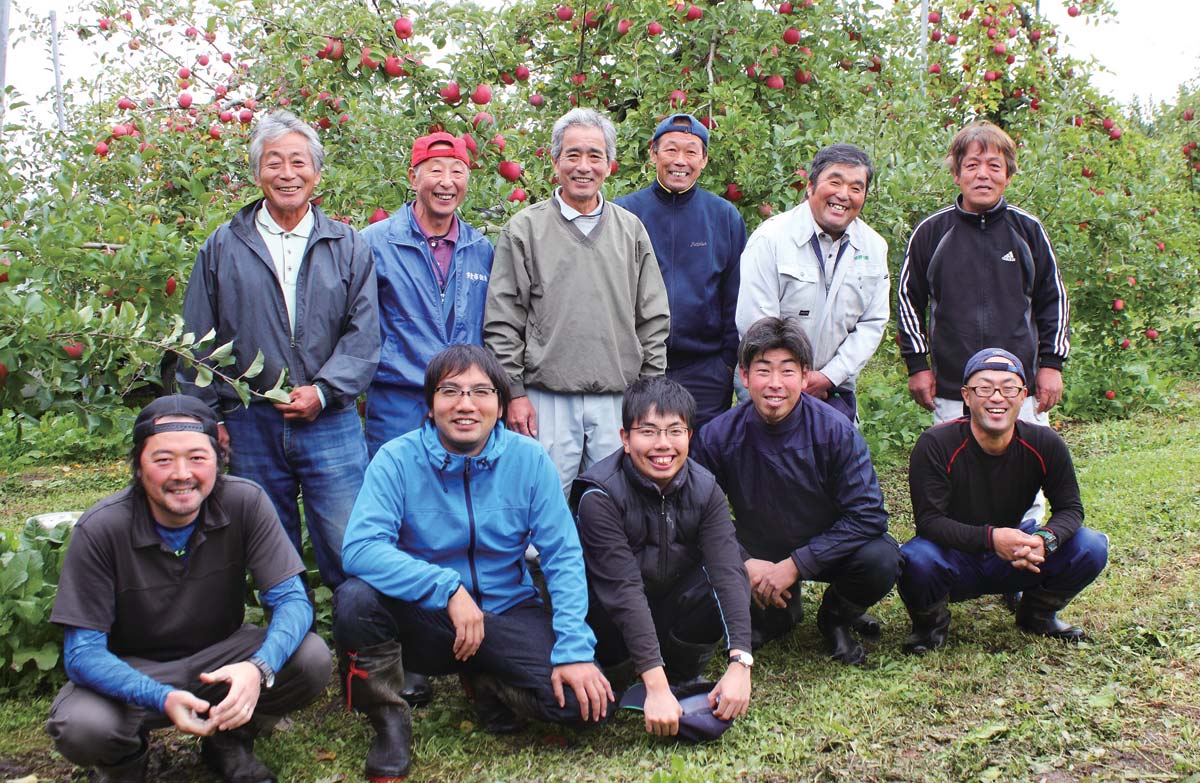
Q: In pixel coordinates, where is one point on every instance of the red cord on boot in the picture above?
(353, 672)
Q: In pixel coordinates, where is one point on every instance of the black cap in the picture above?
(697, 724)
(174, 405)
(993, 359)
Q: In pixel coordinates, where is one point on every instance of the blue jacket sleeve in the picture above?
(91, 664)
(291, 617)
(369, 548)
(860, 500)
(557, 542)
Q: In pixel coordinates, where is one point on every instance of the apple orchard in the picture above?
(100, 225)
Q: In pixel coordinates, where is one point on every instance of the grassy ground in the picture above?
(993, 705)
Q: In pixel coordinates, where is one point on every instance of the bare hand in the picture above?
(590, 686)
(468, 623)
(771, 583)
(305, 404)
(1018, 548)
(1049, 388)
(817, 384)
(922, 386)
(522, 418)
(238, 705)
(183, 709)
(661, 708)
(731, 697)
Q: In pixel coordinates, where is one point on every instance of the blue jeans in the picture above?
(324, 459)
(933, 572)
(391, 412)
(516, 644)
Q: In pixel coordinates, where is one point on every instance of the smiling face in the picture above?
(582, 166)
(993, 417)
(982, 177)
(464, 422)
(287, 177)
(177, 472)
(657, 443)
(678, 159)
(441, 185)
(774, 380)
(837, 197)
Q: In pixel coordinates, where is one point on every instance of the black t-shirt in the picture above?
(958, 489)
(119, 577)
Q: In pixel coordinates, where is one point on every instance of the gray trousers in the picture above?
(92, 730)
(577, 430)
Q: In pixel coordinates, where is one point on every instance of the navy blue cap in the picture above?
(698, 724)
(682, 123)
(174, 405)
(993, 359)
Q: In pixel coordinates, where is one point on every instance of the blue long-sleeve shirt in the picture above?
(89, 662)
(804, 486)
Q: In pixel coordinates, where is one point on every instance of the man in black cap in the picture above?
(971, 480)
(698, 239)
(152, 597)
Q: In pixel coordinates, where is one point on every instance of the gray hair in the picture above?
(275, 126)
(588, 118)
(844, 154)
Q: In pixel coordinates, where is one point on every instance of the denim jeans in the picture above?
(323, 460)
(933, 572)
(516, 644)
(391, 412)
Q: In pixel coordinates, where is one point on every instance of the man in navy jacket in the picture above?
(698, 239)
(806, 501)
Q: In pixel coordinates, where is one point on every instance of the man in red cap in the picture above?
(433, 270)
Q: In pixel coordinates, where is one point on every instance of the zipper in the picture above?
(664, 537)
(471, 545)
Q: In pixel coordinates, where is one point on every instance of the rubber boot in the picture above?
(132, 769)
(230, 754)
(769, 625)
(418, 690)
(1011, 601)
(375, 678)
(495, 717)
(929, 628)
(867, 625)
(1038, 613)
(834, 619)
(685, 662)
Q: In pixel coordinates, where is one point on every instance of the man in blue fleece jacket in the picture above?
(698, 239)
(435, 551)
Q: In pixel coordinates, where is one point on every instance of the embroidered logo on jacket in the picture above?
(1009, 257)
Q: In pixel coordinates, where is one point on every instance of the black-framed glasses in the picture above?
(477, 393)
(986, 391)
(674, 433)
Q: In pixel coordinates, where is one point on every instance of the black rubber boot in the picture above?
(834, 619)
(1011, 601)
(130, 770)
(418, 690)
(929, 628)
(376, 679)
(866, 625)
(1038, 613)
(230, 754)
(494, 715)
(685, 662)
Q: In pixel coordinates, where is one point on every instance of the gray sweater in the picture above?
(573, 313)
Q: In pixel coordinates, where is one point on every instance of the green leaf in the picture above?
(277, 395)
(204, 376)
(255, 367)
(222, 352)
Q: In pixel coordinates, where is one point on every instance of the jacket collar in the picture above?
(667, 196)
(143, 534)
(445, 462)
(402, 229)
(803, 227)
(982, 220)
(639, 480)
(243, 225)
(791, 422)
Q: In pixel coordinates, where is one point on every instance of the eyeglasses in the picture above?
(478, 393)
(985, 391)
(673, 433)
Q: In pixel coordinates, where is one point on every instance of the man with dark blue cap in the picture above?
(152, 598)
(971, 480)
(698, 239)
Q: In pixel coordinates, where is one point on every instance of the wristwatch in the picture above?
(744, 658)
(1047, 535)
(266, 673)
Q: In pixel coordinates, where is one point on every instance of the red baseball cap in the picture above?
(439, 145)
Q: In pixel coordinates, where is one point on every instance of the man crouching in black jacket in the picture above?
(663, 564)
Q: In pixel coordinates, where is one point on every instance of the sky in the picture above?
(1147, 52)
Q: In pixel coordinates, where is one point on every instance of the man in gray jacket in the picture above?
(283, 279)
(576, 305)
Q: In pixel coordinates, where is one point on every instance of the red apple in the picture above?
(522, 73)
(202, 60)
(73, 350)
(775, 82)
(191, 32)
(185, 100)
(101, 148)
(935, 69)
(934, 17)
(125, 104)
(365, 62)
(3, 373)
(1110, 395)
(510, 170)
(765, 209)
(499, 142)
(1131, 280)
(379, 214)
(536, 100)
(214, 131)
(999, 48)
(170, 288)
(791, 36)
(733, 192)
(185, 73)
(1035, 35)
(952, 39)
(785, 7)
(482, 95)
(623, 26)
(1189, 115)
(393, 66)
(1086, 172)
(482, 117)
(245, 116)
(1118, 305)
(450, 93)
(678, 98)
(935, 35)
(1108, 123)
(1073, 11)
(654, 28)
(1151, 334)
(226, 57)
(590, 20)
(226, 116)
(518, 194)
(1126, 343)
(403, 28)
(1114, 134)
(565, 13)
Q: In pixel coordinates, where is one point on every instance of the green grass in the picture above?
(993, 705)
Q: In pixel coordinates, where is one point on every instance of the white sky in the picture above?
(1147, 52)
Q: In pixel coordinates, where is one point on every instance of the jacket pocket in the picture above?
(800, 289)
